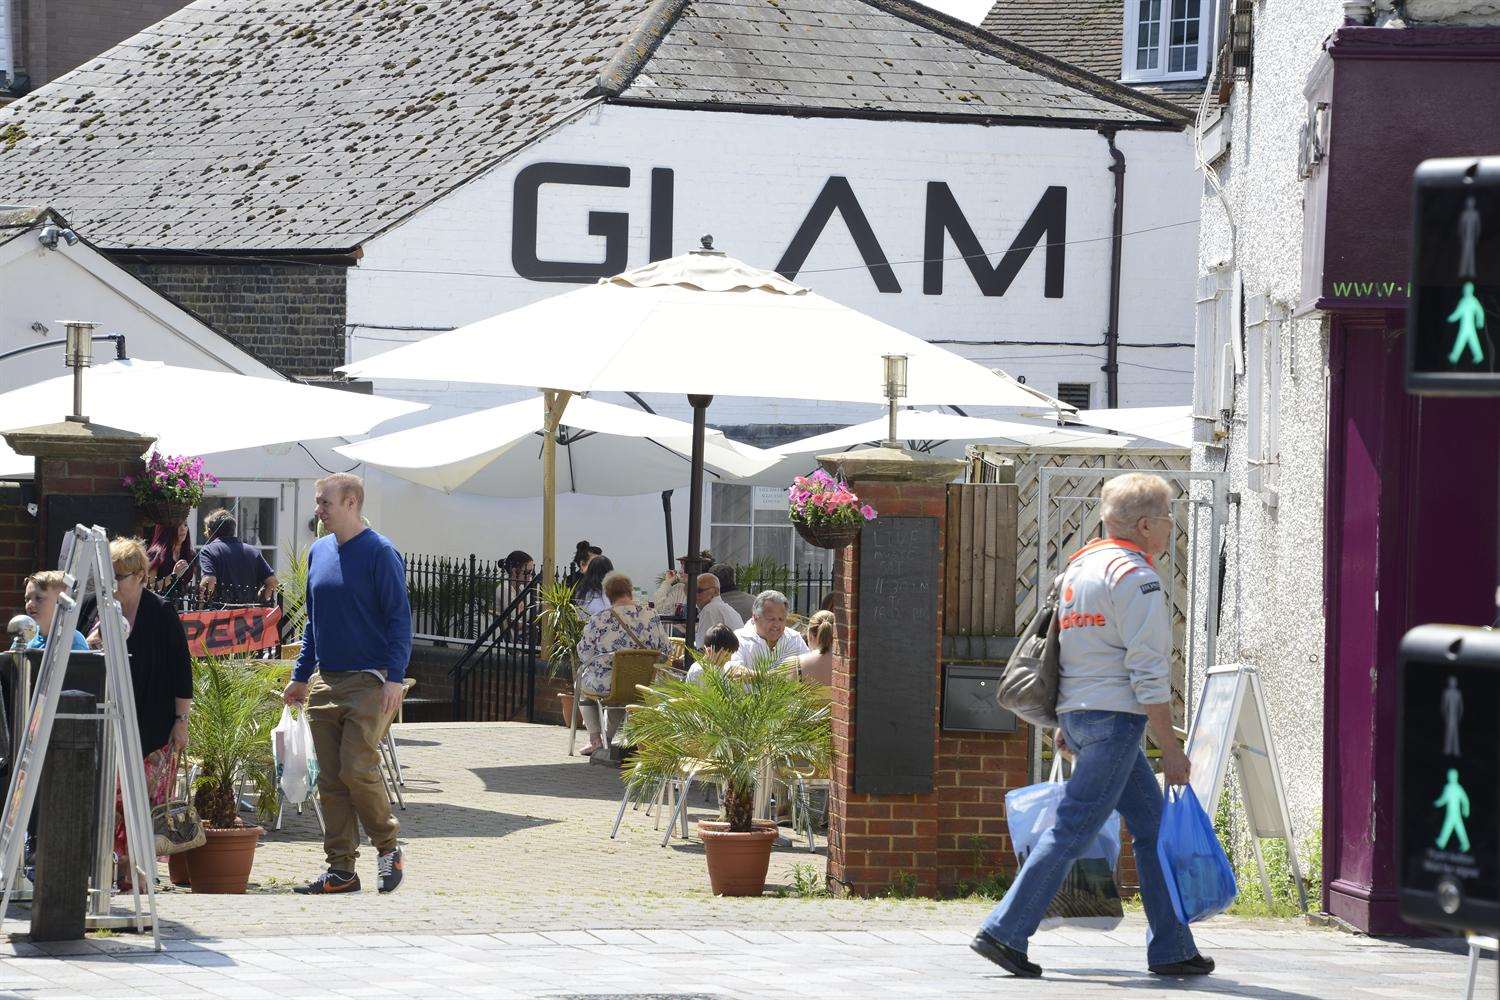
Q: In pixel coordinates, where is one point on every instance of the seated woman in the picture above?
(41, 604)
(817, 665)
(621, 625)
(719, 644)
(171, 554)
(589, 592)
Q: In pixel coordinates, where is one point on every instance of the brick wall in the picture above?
(55, 36)
(289, 315)
(18, 533)
(956, 832)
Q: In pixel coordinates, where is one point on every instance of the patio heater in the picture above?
(895, 391)
(78, 354)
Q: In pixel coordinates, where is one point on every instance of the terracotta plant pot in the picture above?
(177, 869)
(567, 708)
(737, 862)
(223, 864)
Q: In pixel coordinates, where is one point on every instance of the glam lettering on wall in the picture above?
(945, 219)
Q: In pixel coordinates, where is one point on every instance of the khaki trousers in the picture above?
(343, 711)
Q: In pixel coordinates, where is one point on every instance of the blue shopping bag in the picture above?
(1197, 872)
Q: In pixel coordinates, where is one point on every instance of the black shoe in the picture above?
(1198, 965)
(330, 883)
(389, 867)
(1012, 961)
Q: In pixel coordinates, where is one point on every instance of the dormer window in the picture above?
(1166, 40)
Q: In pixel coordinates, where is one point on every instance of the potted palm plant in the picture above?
(562, 622)
(733, 728)
(235, 708)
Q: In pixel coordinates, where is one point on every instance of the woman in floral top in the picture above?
(622, 625)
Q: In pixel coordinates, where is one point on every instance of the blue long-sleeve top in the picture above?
(358, 615)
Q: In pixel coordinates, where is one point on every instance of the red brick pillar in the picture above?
(929, 842)
(80, 466)
(17, 545)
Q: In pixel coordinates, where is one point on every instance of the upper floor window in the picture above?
(1167, 39)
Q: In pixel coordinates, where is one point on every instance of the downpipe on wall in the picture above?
(1116, 251)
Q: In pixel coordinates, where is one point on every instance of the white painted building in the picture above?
(886, 155)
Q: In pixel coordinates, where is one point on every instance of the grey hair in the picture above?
(1130, 497)
(769, 597)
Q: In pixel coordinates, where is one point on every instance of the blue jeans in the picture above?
(1110, 772)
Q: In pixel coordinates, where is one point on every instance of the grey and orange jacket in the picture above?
(1114, 632)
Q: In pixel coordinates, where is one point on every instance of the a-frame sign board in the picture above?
(1231, 722)
(85, 560)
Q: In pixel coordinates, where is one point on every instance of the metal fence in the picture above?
(495, 679)
(805, 586)
(452, 598)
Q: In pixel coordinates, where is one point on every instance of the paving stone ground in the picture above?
(515, 889)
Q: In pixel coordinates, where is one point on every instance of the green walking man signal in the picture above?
(1469, 315)
(1456, 801)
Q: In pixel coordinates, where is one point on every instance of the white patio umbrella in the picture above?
(192, 411)
(1171, 424)
(704, 324)
(604, 450)
(929, 431)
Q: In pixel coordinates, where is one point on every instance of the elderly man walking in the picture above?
(358, 640)
(712, 609)
(1116, 641)
(765, 636)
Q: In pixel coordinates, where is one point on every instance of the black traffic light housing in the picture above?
(1453, 304)
(1448, 777)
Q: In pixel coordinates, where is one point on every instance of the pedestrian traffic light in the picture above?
(1453, 302)
(1448, 777)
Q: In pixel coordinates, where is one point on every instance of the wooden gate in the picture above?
(979, 592)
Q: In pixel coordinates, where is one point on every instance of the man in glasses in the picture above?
(712, 610)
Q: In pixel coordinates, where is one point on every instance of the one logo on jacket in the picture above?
(1080, 619)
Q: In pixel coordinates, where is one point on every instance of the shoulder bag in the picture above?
(1028, 687)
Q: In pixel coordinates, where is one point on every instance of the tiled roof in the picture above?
(881, 56)
(312, 125)
(1087, 33)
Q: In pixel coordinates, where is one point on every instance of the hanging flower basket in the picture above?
(827, 536)
(166, 513)
(824, 512)
(170, 487)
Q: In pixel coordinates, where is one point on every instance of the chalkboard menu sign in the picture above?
(895, 694)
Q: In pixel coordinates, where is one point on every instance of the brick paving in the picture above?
(514, 889)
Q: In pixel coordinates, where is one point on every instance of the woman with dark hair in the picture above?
(171, 552)
(590, 590)
(517, 570)
(582, 553)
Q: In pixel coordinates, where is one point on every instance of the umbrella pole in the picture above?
(666, 511)
(695, 518)
(554, 402)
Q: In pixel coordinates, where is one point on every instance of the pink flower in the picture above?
(129, 480)
(867, 512)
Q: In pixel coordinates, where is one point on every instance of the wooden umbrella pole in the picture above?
(554, 402)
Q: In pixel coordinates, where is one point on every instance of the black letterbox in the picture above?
(969, 700)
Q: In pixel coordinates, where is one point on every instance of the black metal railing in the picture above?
(805, 586)
(452, 598)
(495, 678)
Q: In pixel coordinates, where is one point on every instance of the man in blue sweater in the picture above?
(358, 640)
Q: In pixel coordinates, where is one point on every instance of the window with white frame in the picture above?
(1263, 325)
(749, 524)
(1167, 39)
(1218, 354)
(258, 512)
